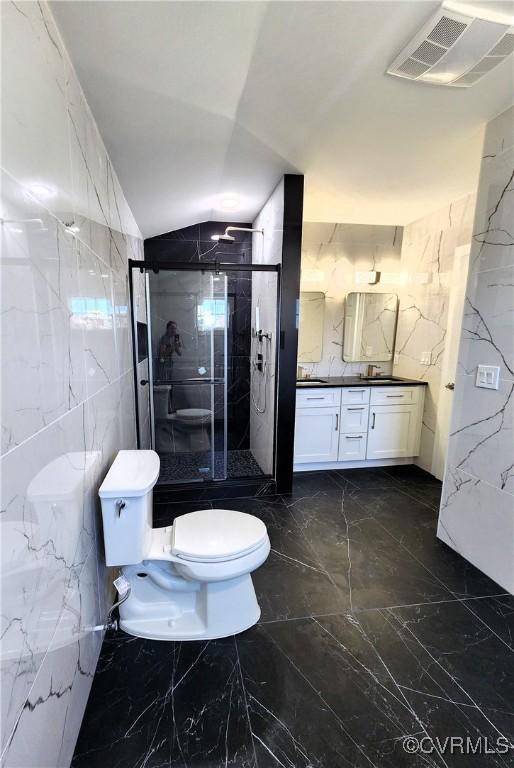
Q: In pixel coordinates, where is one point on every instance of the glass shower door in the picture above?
(187, 340)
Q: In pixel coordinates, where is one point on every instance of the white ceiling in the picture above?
(194, 99)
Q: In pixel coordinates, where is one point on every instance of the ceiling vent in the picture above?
(458, 46)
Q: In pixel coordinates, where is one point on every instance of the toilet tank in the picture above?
(126, 495)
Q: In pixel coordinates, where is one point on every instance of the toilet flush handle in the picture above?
(120, 504)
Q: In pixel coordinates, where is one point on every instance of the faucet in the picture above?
(370, 371)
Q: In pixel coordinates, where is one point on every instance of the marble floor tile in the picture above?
(366, 478)
(368, 634)
(411, 474)
(497, 613)
(310, 483)
(294, 674)
(158, 704)
(477, 663)
(294, 582)
(413, 524)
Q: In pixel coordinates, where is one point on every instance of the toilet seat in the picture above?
(216, 535)
(193, 414)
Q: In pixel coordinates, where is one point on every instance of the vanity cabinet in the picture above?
(354, 424)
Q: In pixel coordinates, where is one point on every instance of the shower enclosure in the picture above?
(206, 355)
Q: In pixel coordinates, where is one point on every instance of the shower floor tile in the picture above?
(182, 467)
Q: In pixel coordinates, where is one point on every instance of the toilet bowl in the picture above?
(183, 430)
(190, 580)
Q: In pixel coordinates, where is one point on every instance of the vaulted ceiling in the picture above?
(196, 99)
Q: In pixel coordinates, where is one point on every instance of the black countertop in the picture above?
(355, 381)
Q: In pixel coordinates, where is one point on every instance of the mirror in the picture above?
(310, 328)
(369, 327)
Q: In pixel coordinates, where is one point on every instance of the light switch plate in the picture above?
(488, 376)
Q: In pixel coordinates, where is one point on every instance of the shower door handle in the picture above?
(143, 382)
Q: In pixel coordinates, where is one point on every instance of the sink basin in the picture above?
(309, 382)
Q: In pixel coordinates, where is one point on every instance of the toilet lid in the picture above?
(216, 534)
(193, 413)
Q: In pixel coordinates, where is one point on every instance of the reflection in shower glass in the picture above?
(212, 360)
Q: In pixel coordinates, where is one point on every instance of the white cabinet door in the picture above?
(392, 431)
(316, 435)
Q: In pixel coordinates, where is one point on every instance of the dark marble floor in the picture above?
(371, 631)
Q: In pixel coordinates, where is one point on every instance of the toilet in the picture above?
(195, 423)
(186, 429)
(190, 580)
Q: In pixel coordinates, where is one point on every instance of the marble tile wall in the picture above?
(428, 278)
(477, 510)
(67, 385)
(266, 249)
(332, 254)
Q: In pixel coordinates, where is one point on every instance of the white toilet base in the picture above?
(203, 611)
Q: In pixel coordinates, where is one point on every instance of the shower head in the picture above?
(226, 238)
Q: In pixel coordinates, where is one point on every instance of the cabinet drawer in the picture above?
(350, 395)
(394, 395)
(354, 418)
(318, 398)
(352, 447)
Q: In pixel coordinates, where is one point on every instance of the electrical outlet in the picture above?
(488, 376)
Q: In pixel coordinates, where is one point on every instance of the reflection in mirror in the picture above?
(369, 327)
(310, 330)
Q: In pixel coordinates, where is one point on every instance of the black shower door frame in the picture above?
(207, 266)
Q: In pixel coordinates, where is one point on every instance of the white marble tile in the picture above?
(122, 321)
(487, 336)
(493, 230)
(428, 279)
(49, 722)
(477, 513)
(127, 414)
(47, 529)
(332, 254)
(96, 192)
(499, 135)
(65, 410)
(35, 145)
(266, 249)
(477, 521)
(93, 312)
(482, 432)
(43, 372)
